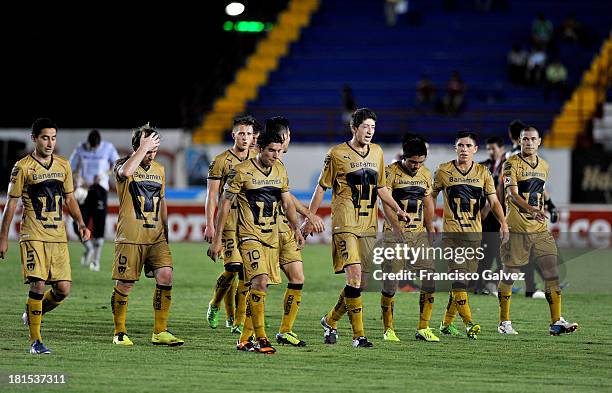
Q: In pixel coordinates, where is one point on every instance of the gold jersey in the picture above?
(140, 197)
(42, 189)
(409, 192)
(354, 179)
(462, 193)
(259, 196)
(531, 181)
(220, 169)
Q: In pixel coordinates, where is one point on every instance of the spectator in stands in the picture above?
(349, 105)
(517, 61)
(536, 63)
(542, 30)
(425, 92)
(453, 101)
(556, 79)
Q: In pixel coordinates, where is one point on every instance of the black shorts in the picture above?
(94, 208)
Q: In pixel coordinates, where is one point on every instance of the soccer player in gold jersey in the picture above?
(410, 183)
(290, 257)
(44, 183)
(218, 173)
(142, 236)
(524, 179)
(463, 182)
(259, 185)
(355, 171)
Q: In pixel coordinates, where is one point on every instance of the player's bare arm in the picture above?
(216, 246)
(316, 221)
(315, 202)
(75, 213)
(212, 196)
(497, 210)
(7, 218)
(429, 207)
(146, 144)
(522, 204)
(385, 196)
(294, 223)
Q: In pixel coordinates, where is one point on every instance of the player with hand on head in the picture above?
(44, 183)
(142, 236)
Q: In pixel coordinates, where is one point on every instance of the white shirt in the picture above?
(88, 164)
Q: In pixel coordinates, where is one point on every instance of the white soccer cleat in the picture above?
(562, 327)
(539, 294)
(506, 328)
(94, 266)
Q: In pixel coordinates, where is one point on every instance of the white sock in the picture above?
(98, 243)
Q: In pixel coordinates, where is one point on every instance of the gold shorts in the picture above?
(288, 249)
(131, 258)
(259, 259)
(350, 249)
(230, 248)
(45, 261)
(516, 251)
(412, 240)
(464, 260)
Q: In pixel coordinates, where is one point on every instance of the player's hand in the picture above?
(299, 239)
(150, 142)
(209, 233)
(317, 223)
(214, 251)
(403, 216)
(3, 248)
(504, 233)
(538, 215)
(307, 228)
(84, 233)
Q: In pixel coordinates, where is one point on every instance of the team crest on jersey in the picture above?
(14, 174)
(327, 161)
(507, 180)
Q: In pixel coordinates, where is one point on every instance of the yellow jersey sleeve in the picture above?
(17, 181)
(326, 179)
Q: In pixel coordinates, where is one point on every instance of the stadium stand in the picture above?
(349, 43)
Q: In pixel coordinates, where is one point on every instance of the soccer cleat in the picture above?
(389, 335)
(450, 330)
(539, 294)
(122, 339)
(237, 329)
(562, 326)
(212, 315)
(264, 346)
(289, 338)
(505, 327)
(491, 289)
(38, 348)
(245, 346)
(426, 334)
(229, 322)
(25, 319)
(472, 330)
(362, 342)
(166, 338)
(330, 335)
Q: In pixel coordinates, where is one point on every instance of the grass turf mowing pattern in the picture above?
(79, 333)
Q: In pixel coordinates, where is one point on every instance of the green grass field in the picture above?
(80, 332)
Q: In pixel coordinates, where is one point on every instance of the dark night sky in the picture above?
(116, 67)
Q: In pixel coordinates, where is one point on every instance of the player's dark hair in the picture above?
(495, 140)
(361, 115)
(265, 138)
(244, 120)
(278, 124)
(40, 124)
(529, 128)
(137, 133)
(515, 127)
(467, 134)
(413, 145)
(94, 138)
